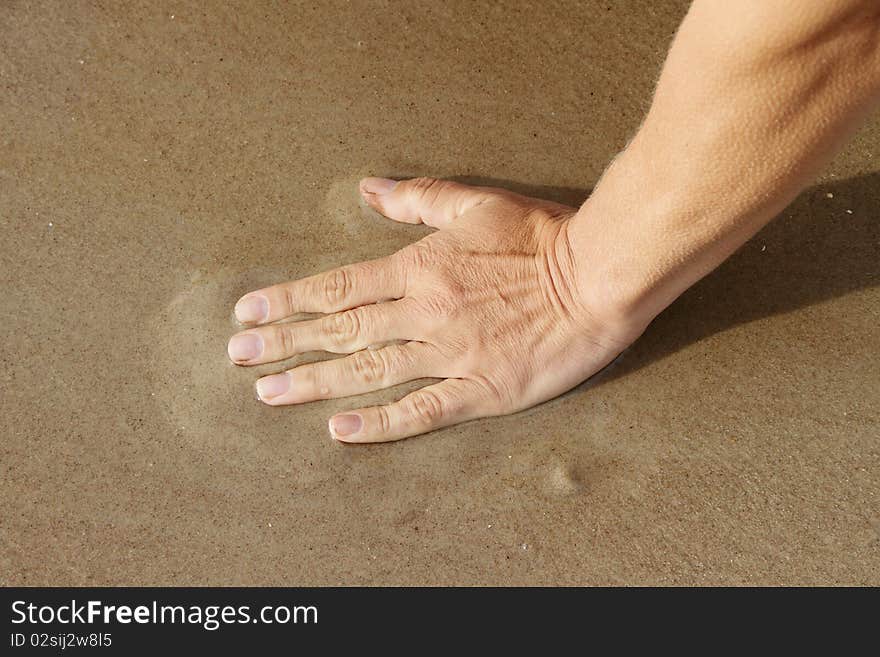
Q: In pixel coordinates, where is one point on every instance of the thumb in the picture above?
(436, 203)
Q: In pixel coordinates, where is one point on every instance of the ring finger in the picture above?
(362, 372)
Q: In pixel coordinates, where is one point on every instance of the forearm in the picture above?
(754, 98)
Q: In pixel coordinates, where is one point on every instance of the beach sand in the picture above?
(157, 162)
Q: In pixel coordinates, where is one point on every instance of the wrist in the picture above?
(638, 243)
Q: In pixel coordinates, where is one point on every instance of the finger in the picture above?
(340, 333)
(431, 201)
(329, 292)
(439, 405)
(353, 375)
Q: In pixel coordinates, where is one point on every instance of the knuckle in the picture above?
(383, 420)
(426, 408)
(418, 256)
(370, 366)
(336, 287)
(285, 339)
(289, 300)
(427, 187)
(342, 327)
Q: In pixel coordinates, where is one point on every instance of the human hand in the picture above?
(489, 303)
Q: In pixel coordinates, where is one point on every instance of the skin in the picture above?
(514, 300)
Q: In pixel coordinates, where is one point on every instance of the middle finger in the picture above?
(339, 333)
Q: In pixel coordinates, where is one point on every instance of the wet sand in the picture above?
(157, 163)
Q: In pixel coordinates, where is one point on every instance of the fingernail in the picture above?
(252, 309)
(345, 425)
(378, 185)
(245, 346)
(272, 386)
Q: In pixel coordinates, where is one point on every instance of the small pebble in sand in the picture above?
(849, 211)
(763, 248)
(81, 61)
(829, 195)
(525, 546)
(50, 224)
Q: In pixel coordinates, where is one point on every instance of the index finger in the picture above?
(329, 292)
